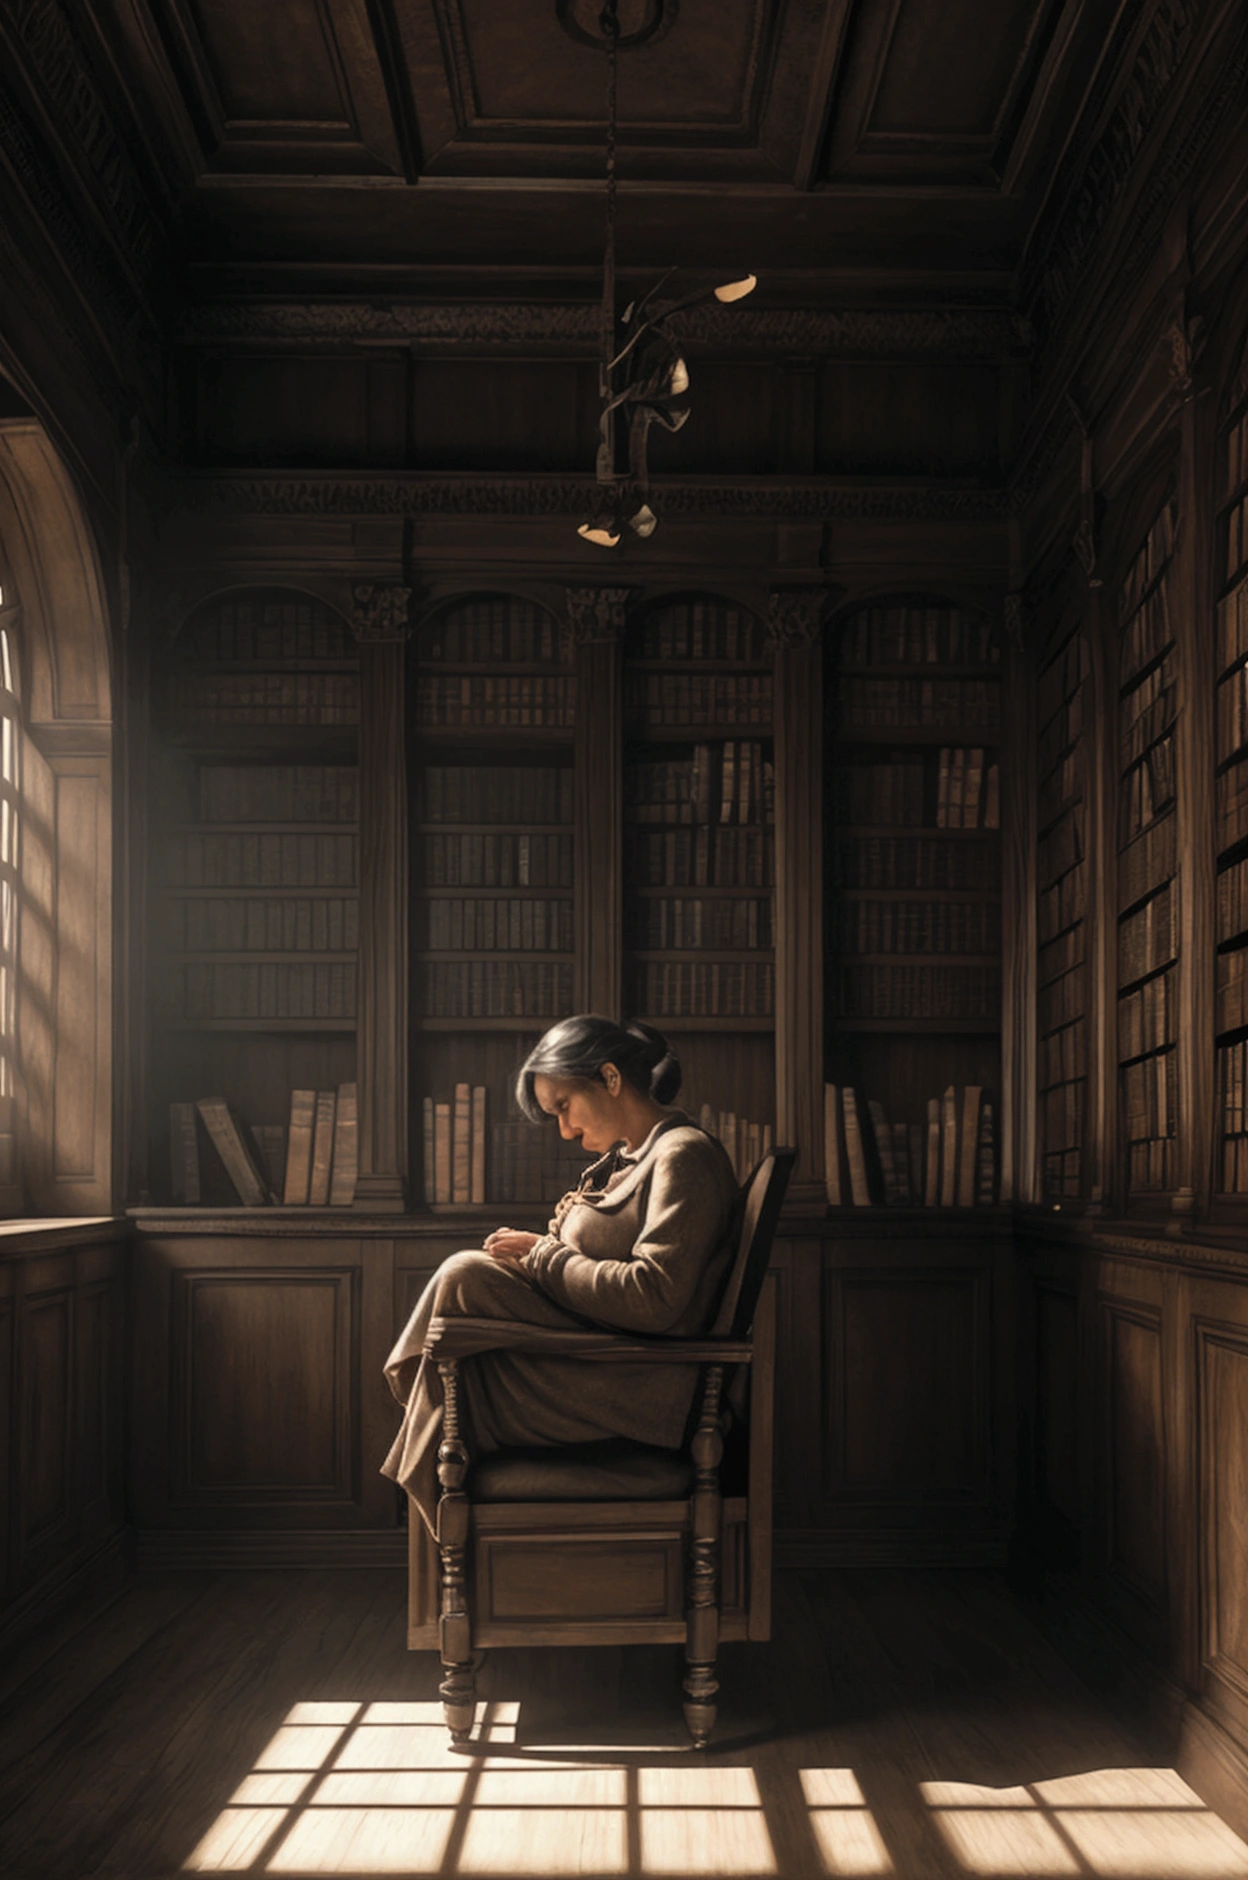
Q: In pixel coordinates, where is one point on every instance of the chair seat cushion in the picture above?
(613, 1470)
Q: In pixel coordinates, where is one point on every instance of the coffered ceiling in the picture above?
(835, 143)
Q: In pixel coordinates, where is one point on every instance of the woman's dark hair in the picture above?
(579, 1047)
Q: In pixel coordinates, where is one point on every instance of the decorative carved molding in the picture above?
(795, 616)
(596, 614)
(1092, 195)
(49, 42)
(380, 612)
(963, 333)
(1184, 339)
(763, 500)
(1015, 614)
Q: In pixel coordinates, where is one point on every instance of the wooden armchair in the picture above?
(616, 1542)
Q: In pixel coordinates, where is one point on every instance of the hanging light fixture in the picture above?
(641, 371)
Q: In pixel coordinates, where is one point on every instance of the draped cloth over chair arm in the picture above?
(451, 1339)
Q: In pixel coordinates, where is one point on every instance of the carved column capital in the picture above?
(1015, 613)
(795, 616)
(380, 612)
(596, 614)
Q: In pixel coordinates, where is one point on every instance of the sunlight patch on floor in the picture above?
(376, 1788)
(1136, 1824)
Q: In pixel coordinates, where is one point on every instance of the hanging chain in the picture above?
(609, 25)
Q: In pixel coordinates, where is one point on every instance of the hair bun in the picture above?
(665, 1078)
(659, 1059)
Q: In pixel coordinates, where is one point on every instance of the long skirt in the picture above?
(510, 1400)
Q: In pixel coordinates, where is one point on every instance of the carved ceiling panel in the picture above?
(284, 86)
(933, 90)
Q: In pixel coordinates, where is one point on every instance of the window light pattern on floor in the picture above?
(355, 1788)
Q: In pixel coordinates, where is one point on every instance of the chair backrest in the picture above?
(757, 1213)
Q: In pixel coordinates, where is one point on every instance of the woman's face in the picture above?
(585, 1110)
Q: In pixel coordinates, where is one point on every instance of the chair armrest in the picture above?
(448, 1339)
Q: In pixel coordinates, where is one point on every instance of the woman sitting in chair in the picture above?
(640, 1245)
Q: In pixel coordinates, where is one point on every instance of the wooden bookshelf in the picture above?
(1231, 815)
(699, 854)
(913, 904)
(1148, 864)
(255, 904)
(1062, 696)
(491, 713)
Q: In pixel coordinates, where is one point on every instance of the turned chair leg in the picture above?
(702, 1593)
(458, 1688)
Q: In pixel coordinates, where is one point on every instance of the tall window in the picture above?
(10, 803)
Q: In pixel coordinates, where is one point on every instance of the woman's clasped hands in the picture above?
(508, 1245)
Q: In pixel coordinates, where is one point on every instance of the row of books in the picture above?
(886, 793)
(495, 633)
(1231, 799)
(1236, 455)
(745, 1142)
(1236, 537)
(314, 1162)
(1147, 861)
(700, 630)
(1061, 905)
(919, 927)
(1061, 846)
(1145, 635)
(1233, 900)
(1062, 1056)
(1059, 786)
(1060, 734)
(1058, 690)
(1231, 990)
(1060, 1003)
(1147, 789)
(949, 1160)
(968, 796)
(267, 630)
(491, 699)
(1150, 1166)
(919, 636)
(727, 922)
(265, 989)
(499, 926)
(917, 991)
(212, 858)
(1061, 1115)
(1150, 1097)
(1149, 938)
(1234, 1169)
(268, 698)
(1063, 1174)
(1154, 553)
(1232, 626)
(732, 783)
(920, 704)
(698, 698)
(531, 1162)
(715, 989)
(699, 858)
(279, 793)
(1233, 712)
(498, 861)
(495, 988)
(1146, 711)
(262, 924)
(454, 1146)
(1146, 1017)
(1061, 955)
(1233, 1081)
(920, 862)
(498, 793)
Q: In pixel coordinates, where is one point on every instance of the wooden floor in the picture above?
(273, 1722)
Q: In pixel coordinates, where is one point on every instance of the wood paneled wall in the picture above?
(62, 1300)
(1133, 1381)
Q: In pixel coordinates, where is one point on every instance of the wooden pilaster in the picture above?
(794, 629)
(1019, 1172)
(379, 621)
(595, 624)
